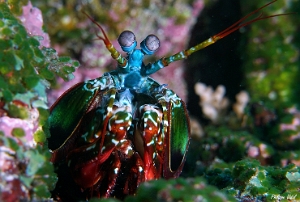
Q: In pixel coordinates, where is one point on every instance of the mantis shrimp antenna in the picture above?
(114, 53)
(239, 24)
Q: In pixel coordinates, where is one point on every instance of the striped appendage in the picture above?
(150, 125)
(124, 137)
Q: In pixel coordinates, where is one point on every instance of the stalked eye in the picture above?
(152, 42)
(126, 38)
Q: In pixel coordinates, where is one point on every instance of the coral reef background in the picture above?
(242, 92)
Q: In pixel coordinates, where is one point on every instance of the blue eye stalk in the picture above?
(127, 41)
(150, 44)
(135, 72)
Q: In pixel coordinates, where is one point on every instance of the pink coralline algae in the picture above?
(32, 20)
(260, 152)
(294, 125)
(10, 167)
(11, 185)
(29, 126)
(13, 189)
